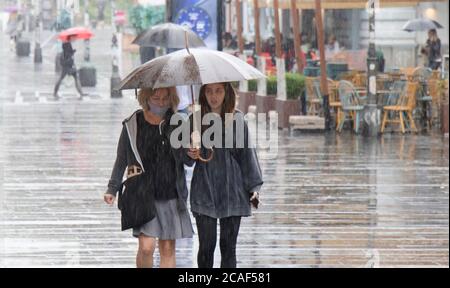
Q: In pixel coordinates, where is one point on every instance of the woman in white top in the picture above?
(332, 47)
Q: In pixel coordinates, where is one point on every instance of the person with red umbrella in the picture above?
(67, 58)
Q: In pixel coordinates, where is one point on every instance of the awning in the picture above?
(342, 4)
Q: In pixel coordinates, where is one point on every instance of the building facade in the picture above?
(350, 26)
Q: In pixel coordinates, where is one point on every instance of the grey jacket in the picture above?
(221, 188)
(127, 155)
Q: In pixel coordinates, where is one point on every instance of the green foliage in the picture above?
(92, 10)
(295, 85)
(235, 85)
(139, 17)
(272, 85)
(253, 85)
(143, 17)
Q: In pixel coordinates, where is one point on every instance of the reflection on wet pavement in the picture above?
(328, 201)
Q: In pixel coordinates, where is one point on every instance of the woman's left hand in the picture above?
(254, 199)
(194, 153)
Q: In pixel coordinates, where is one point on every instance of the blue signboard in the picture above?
(201, 16)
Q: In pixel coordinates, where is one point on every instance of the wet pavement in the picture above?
(328, 200)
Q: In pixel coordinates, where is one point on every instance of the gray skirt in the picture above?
(169, 223)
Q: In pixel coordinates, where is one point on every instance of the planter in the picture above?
(246, 99)
(87, 76)
(23, 48)
(264, 104)
(286, 108)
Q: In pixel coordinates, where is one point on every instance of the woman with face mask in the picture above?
(224, 188)
(155, 171)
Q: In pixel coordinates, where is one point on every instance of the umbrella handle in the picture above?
(209, 158)
(196, 144)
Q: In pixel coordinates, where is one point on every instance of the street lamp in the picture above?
(323, 66)
(116, 48)
(371, 111)
(37, 31)
(115, 77)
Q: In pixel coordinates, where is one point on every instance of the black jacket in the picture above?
(434, 54)
(135, 203)
(222, 187)
(67, 55)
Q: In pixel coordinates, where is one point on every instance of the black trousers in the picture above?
(64, 73)
(207, 234)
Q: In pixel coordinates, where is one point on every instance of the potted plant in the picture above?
(443, 94)
(247, 98)
(265, 104)
(295, 85)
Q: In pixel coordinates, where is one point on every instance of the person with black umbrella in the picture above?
(433, 50)
(167, 35)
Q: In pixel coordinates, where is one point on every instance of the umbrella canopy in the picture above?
(421, 25)
(190, 67)
(168, 35)
(11, 9)
(76, 33)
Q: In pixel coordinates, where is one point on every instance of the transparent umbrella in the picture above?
(190, 67)
(421, 25)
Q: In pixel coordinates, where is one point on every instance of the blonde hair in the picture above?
(145, 94)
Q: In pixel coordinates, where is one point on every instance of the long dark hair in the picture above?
(229, 102)
(434, 36)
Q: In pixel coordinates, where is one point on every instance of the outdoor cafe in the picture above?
(410, 98)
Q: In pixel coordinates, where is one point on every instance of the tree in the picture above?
(142, 18)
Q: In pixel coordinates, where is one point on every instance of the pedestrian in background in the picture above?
(68, 67)
(12, 30)
(433, 50)
(332, 47)
(185, 95)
